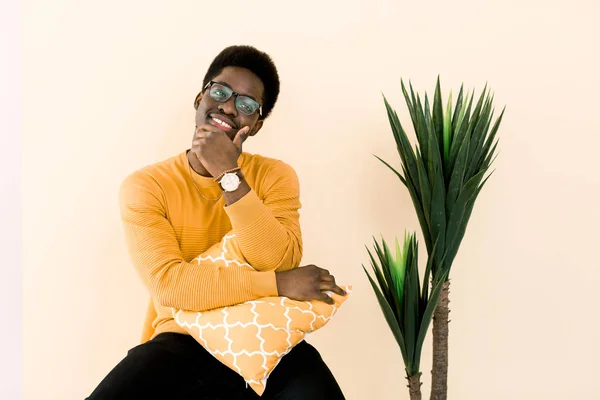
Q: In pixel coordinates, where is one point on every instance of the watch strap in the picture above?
(229, 171)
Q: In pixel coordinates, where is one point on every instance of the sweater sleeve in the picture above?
(156, 255)
(273, 222)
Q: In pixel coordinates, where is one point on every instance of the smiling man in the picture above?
(176, 209)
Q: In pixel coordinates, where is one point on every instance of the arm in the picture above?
(171, 280)
(268, 231)
(267, 228)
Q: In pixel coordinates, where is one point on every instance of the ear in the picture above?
(197, 100)
(256, 127)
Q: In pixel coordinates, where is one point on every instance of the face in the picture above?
(225, 116)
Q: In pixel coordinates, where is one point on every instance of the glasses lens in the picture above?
(220, 93)
(246, 105)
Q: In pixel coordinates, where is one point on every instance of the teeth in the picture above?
(222, 123)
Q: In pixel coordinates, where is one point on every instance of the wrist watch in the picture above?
(230, 182)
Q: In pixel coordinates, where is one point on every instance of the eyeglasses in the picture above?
(221, 93)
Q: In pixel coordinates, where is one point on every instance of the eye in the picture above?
(218, 92)
(246, 108)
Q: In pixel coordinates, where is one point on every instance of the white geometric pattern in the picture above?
(222, 256)
(252, 337)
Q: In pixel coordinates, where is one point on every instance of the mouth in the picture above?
(221, 122)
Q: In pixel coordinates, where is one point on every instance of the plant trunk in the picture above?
(414, 386)
(439, 381)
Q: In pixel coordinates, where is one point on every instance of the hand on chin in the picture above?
(216, 150)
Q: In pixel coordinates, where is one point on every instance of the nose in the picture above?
(228, 108)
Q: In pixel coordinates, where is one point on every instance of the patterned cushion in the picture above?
(251, 338)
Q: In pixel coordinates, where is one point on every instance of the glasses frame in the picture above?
(234, 94)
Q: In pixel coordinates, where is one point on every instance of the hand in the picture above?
(307, 283)
(215, 150)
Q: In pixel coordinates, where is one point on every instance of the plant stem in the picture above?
(414, 386)
(439, 381)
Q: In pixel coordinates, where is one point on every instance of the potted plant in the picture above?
(444, 173)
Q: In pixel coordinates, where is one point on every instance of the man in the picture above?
(174, 210)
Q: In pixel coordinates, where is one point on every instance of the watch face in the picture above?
(230, 182)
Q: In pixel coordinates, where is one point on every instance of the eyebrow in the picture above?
(241, 94)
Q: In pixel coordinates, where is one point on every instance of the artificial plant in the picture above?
(407, 306)
(444, 174)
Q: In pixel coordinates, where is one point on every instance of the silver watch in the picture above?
(230, 182)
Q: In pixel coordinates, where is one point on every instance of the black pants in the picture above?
(174, 366)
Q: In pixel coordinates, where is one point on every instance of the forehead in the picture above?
(242, 81)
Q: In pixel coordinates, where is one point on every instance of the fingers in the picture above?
(328, 283)
(208, 128)
(332, 287)
(199, 134)
(240, 137)
(321, 281)
(323, 297)
(204, 131)
(197, 141)
(338, 290)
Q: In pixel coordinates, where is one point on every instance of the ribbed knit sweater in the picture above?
(168, 223)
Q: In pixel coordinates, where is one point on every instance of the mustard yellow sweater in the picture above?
(168, 223)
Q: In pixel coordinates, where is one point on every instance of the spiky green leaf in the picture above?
(404, 147)
(438, 116)
(438, 220)
(379, 274)
(447, 131)
(390, 272)
(424, 187)
(479, 160)
(457, 176)
(459, 109)
(478, 137)
(457, 221)
(462, 226)
(409, 103)
(411, 306)
(420, 215)
(398, 174)
(390, 318)
(461, 130)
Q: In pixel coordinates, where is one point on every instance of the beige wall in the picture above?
(109, 88)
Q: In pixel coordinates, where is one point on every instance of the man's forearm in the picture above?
(269, 244)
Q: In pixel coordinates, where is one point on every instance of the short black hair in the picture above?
(260, 63)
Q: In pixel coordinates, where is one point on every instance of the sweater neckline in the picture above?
(199, 180)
